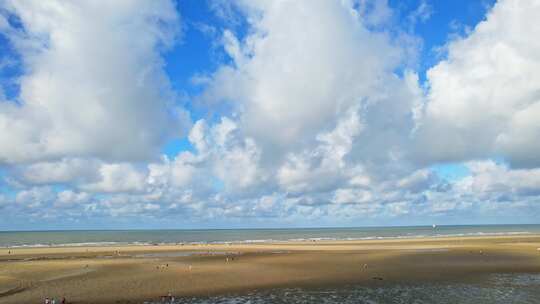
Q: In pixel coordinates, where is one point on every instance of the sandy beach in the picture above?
(134, 274)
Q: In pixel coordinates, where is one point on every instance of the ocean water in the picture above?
(496, 289)
(119, 237)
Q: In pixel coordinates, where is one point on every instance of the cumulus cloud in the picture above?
(483, 100)
(69, 198)
(225, 153)
(302, 67)
(122, 177)
(419, 181)
(315, 89)
(491, 179)
(322, 167)
(65, 171)
(88, 86)
(35, 197)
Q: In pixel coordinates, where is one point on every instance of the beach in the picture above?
(139, 273)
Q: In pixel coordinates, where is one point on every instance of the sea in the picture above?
(203, 236)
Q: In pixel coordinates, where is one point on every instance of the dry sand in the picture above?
(134, 274)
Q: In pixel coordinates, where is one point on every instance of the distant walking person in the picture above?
(63, 301)
(47, 301)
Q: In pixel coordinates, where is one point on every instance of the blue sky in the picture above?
(216, 114)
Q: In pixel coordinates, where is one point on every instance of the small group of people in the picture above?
(168, 298)
(158, 267)
(53, 301)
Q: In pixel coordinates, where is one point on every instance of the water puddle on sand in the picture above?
(177, 254)
(497, 289)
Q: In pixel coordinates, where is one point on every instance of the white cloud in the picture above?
(418, 181)
(322, 167)
(121, 177)
(89, 88)
(67, 170)
(484, 98)
(226, 154)
(37, 197)
(68, 198)
(421, 14)
(265, 204)
(492, 179)
(374, 13)
(353, 196)
(315, 98)
(301, 68)
(177, 173)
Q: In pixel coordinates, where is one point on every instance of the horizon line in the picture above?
(269, 228)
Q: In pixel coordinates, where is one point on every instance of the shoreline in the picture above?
(140, 273)
(270, 241)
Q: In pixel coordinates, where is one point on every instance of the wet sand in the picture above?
(134, 274)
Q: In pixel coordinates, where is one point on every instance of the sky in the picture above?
(137, 114)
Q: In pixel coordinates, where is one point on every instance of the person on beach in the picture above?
(63, 300)
(47, 301)
(53, 301)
